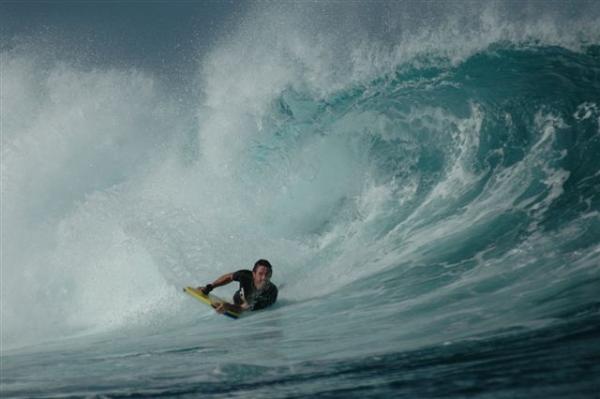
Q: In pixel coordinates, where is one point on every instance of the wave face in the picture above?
(429, 197)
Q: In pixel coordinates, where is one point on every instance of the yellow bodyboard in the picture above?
(210, 300)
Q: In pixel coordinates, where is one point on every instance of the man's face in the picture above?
(261, 276)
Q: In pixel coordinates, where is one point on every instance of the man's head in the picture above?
(261, 272)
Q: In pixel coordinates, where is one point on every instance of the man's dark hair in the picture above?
(265, 263)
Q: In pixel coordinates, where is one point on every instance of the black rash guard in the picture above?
(257, 299)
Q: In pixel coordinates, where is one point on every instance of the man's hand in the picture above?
(206, 290)
(220, 308)
(223, 307)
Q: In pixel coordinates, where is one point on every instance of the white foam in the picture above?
(68, 134)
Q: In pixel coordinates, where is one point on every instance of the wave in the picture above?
(438, 176)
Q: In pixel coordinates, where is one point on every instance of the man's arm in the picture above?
(223, 280)
(222, 307)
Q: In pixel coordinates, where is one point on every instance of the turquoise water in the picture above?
(430, 203)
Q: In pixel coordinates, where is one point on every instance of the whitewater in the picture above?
(424, 178)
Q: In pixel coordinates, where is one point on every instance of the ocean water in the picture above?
(424, 177)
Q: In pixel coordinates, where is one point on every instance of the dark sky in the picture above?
(169, 37)
(166, 37)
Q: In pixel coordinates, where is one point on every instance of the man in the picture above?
(256, 290)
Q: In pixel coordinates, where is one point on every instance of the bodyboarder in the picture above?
(256, 291)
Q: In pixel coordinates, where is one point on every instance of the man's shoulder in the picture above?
(266, 298)
(271, 290)
(242, 274)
